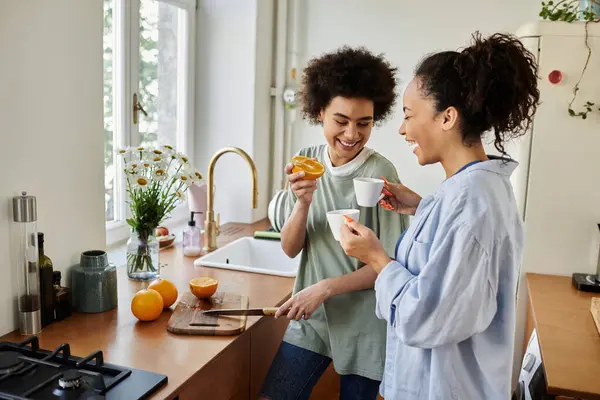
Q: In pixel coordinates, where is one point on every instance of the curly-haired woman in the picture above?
(332, 309)
(449, 293)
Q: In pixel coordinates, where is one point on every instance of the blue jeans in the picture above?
(295, 372)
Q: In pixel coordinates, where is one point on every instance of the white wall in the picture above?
(233, 57)
(52, 141)
(404, 31)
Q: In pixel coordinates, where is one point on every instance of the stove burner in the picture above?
(10, 362)
(71, 379)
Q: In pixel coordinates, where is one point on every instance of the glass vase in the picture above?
(142, 256)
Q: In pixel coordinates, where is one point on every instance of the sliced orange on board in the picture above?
(312, 168)
(203, 287)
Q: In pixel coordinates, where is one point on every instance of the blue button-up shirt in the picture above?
(449, 297)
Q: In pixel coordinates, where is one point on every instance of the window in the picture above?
(148, 88)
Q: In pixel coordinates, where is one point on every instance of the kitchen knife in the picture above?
(250, 311)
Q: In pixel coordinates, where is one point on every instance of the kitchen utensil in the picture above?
(270, 311)
(94, 283)
(367, 191)
(189, 319)
(336, 220)
(26, 257)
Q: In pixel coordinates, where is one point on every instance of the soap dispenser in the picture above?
(192, 238)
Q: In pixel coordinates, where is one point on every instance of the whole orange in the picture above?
(203, 287)
(147, 304)
(166, 289)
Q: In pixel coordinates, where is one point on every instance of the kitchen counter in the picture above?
(569, 341)
(220, 366)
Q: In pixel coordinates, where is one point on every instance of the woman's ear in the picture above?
(449, 118)
(321, 116)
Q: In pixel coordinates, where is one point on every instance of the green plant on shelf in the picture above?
(569, 11)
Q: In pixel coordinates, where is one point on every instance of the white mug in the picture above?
(368, 191)
(336, 220)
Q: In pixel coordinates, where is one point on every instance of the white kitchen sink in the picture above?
(252, 255)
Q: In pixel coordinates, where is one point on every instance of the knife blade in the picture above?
(270, 311)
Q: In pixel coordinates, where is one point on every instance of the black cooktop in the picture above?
(30, 373)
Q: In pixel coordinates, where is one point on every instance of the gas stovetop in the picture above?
(30, 373)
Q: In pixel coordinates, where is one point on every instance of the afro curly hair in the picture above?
(351, 73)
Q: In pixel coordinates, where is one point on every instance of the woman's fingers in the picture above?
(299, 185)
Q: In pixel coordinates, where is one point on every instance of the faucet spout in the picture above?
(211, 227)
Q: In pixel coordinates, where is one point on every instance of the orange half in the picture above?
(312, 168)
(203, 287)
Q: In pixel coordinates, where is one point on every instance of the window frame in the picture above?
(126, 20)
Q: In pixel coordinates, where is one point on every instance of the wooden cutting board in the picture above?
(187, 319)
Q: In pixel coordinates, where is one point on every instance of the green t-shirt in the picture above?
(345, 327)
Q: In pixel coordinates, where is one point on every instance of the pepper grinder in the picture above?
(25, 215)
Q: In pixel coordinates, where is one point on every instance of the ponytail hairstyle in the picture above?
(492, 84)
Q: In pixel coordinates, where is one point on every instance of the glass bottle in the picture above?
(46, 283)
(192, 239)
(62, 299)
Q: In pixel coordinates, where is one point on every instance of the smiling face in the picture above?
(428, 132)
(347, 124)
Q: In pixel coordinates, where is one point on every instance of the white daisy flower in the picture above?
(185, 179)
(179, 194)
(159, 174)
(141, 182)
(187, 168)
(156, 159)
(197, 176)
(182, 158)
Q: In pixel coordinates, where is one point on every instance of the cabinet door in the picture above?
(224, 378)
(266, 337)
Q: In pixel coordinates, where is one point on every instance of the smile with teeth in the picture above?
(412, 145)
(348, 145)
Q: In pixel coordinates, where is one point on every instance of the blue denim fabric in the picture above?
(295, 372)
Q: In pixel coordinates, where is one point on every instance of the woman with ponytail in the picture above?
(449, 295)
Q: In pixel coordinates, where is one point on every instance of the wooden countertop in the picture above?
(147, 345)
(569, 341)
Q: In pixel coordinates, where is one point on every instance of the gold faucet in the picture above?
(212, 227)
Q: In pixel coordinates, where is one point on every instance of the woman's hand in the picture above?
(303, 189)
(360, 242)
(305, 302)
(399, 198)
